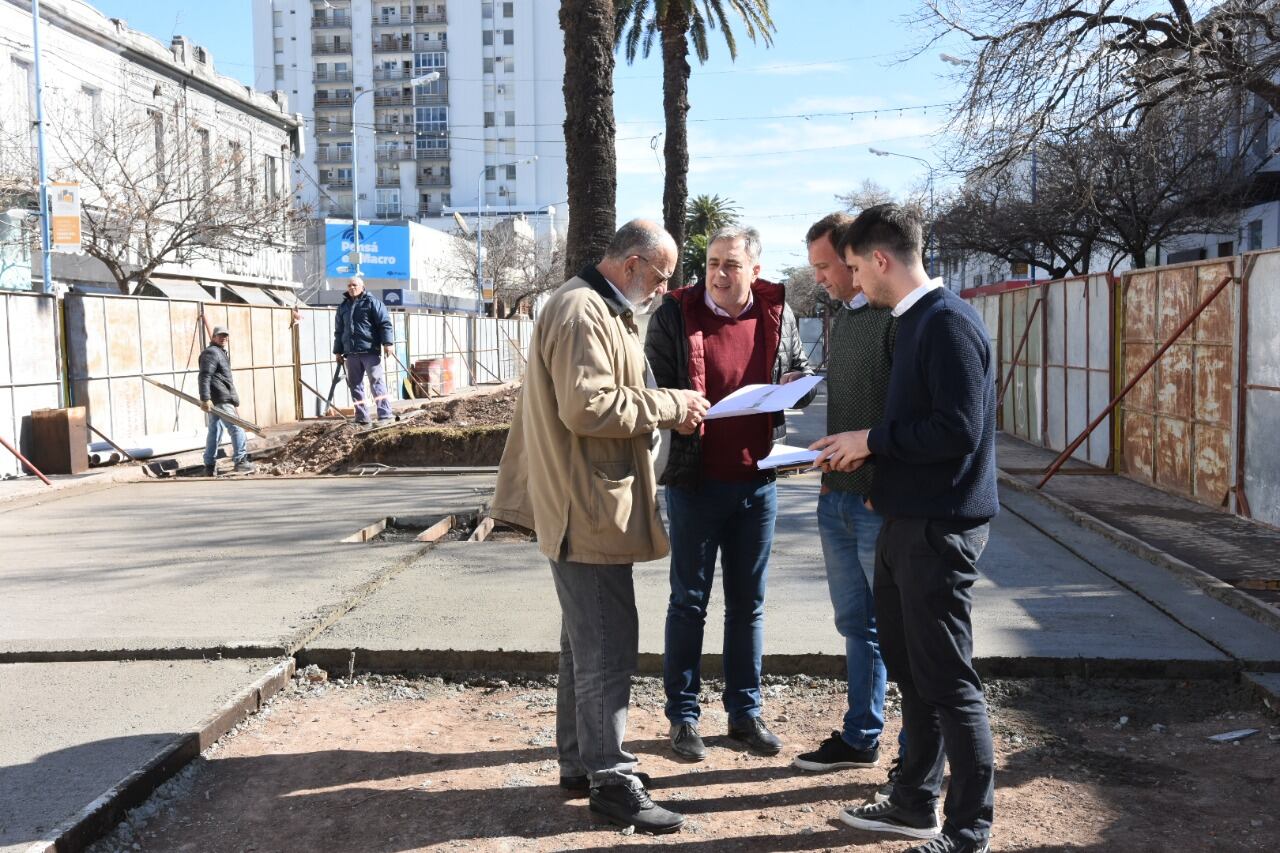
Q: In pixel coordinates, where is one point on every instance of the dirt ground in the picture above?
(390, 764)
(469, 429)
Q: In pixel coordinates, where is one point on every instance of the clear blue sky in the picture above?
(760, 129)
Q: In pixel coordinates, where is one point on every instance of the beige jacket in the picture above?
(577, 467)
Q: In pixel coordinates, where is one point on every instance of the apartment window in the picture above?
(277, 19)
(509, 118)
(435, 121)
(486, 10)
(237, 174)
(344, 150)
(508, 36)
(509, 65)
(279, 73)
(490, 173)
(157, 129)
(435, 87)
(488, 65)
(430, 59)
(270, 178)
(1255, 235)
(426, 200)
(508, 10)
(206, 159)
(1227, 249)
(488, 119)
(486, 38)
(446, 199)
(22, 82)
(388, 203)
(511, 171)
(279, 45)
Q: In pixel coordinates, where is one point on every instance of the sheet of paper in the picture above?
(759, 399)
(786, 456)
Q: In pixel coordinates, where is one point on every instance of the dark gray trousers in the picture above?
(925, 570)
(599, 641)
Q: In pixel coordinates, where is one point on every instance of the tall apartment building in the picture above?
(463, 143)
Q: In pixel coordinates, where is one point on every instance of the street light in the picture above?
(355, 160)
(480, 221)
(929, 239)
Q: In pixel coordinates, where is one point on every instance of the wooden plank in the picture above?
(243, 424)
(483, 529)
(435, 531)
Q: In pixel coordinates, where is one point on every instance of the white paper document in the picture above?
(786, 456)
(759, 399)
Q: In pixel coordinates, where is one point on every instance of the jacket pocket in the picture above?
(612, 487)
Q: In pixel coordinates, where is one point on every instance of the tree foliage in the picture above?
(1066, 67)
(678, 25)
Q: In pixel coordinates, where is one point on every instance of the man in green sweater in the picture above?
(859, 353)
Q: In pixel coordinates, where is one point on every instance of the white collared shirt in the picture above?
(625, 301)
(857, 301)
(915, 296)
(720, 312)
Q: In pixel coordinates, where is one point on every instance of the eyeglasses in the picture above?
(663, 277)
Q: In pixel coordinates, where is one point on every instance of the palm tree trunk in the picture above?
(674, 29)
(589, 130)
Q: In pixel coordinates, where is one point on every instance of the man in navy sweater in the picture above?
(935, 486)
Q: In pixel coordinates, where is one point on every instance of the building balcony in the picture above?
(337, 183)
(334, 77)
(387, 181)
(323, 156)
(332, 101)
(391, 155)
(337, 214)
(434, 181)
(387, 211)
(431, 154)
(393, 45)
(423, 16)
(323, 48)
(331, 22)
(333, 130)
(396, 100)
(383, 127)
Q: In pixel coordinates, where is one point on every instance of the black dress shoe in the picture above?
(628, 806)
(686, 742)
(582, 784)
(756, 736)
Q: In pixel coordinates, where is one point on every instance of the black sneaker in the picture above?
(886, 817)
(582, 784)
(835, 754)
(757, 737)
(948, 844)
(210, 471)
(244, 466)
(686, 742)
(882, 795)
(630, 806)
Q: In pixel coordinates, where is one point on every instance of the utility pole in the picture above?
(46, 261)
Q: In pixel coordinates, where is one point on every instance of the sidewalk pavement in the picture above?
(120, 600)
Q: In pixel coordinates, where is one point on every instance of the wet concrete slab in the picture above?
(192, 567)
(69, 732)
(1036, 606)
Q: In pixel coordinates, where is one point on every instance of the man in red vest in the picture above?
(734, 329)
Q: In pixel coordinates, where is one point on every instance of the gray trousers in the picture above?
(599, 641)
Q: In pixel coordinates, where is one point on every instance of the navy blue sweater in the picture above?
(935, 448)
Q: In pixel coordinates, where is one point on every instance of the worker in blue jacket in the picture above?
(363, 325)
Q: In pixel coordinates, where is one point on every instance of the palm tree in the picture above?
(589, 129)
(703, 216)
(707, 213)
(679, 24)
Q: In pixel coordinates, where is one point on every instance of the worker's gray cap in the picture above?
(220, 330)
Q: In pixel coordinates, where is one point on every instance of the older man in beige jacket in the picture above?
(578, 470)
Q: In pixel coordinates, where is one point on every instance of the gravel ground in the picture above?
(397, 764)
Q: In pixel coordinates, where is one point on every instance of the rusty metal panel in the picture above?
(1216, 324)
(1139, 307)
(1212, 393)
(1175, 299)
(1211, 464)
(1143, 396)
(1139, 444)
(1075, 329)
(1174, 382)
(1173, 454)
(122, 336)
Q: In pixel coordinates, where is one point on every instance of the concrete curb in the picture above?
(112, 655)
(1267, 686)
(387, 661)
(97, 818)
(1261, 611)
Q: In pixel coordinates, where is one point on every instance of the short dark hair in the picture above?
(832, 224)
(890, 228)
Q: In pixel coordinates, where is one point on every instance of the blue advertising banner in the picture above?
(384, 250)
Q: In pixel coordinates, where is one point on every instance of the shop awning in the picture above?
(252, 295)
(180, 288)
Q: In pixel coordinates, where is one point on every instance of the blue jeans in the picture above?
(358, 364)
(735, 520)
(215, 436)
(848, 531)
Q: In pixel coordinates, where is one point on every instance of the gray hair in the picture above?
(637, 237)
(750, 238)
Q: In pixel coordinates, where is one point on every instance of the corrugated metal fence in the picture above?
(1202, 423)
(112, 342)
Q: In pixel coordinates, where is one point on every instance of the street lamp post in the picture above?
(42, 166)
(355, 161)
(480, 222)
(929, 239)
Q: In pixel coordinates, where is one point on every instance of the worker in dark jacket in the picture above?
(362, 327)
(714, 338)
(218, 394)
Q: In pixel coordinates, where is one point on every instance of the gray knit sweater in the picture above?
(860, 353)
